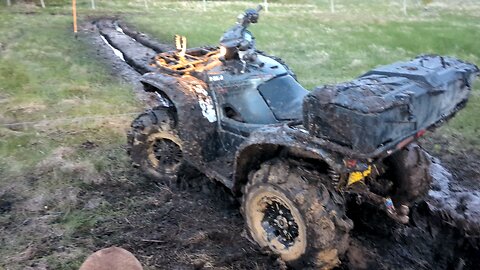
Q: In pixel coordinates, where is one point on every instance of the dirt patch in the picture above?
(164, 228)
(461, 159)
(59, 163)
(171, 228)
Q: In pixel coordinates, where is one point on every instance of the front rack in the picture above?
(191, 60)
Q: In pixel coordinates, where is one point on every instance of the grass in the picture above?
(45, 73)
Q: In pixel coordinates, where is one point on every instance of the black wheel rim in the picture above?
(167, 153)
(279, 223)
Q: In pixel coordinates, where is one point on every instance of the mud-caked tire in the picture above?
(410, 172)
(290, 211)
(154, 145)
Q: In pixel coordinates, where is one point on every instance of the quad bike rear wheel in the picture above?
(154, 144)
(410, 172)
(289, 211)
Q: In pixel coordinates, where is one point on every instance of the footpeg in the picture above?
(399, 214)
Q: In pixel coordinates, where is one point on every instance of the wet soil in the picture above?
(174, 227)
(200, 226)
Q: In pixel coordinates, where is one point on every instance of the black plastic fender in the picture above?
(195, 112)
(270, 142)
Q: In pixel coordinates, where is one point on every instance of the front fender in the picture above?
(195, 112)
(167, 85)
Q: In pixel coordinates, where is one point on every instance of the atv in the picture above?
(295, 157)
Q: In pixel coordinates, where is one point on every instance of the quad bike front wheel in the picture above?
(289, 211)
(154, 144)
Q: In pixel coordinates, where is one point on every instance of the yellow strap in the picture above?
(358, 176)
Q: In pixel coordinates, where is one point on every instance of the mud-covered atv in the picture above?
(294, 157)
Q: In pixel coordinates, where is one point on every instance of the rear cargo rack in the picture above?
(389, 103)
(380, 152)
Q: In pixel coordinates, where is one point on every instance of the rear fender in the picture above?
(195, 112)
(266, 144)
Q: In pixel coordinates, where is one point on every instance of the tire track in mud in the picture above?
(444, 231)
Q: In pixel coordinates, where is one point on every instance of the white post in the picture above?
(9, 2)
(332, 6)
(42, 2)
(204, 5)
(405, 7)
(93, 4)
(265, 3)
(146, 3)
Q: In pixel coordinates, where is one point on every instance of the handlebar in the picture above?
(250, 16)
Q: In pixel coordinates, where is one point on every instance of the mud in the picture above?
(119, 68)
(442, 234)
(136, 56)
(180, 228)
(201, 227)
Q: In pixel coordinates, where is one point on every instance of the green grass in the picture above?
(47, 74)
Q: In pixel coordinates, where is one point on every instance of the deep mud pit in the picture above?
(200, 226)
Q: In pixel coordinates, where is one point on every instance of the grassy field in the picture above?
(47, 164)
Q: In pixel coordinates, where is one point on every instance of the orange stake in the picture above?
(74, 13)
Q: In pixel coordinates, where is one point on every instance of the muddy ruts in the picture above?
(443, 232)
(136, 55)
(454, 242)
(427, 242)
(457, 207)
(144, 39)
